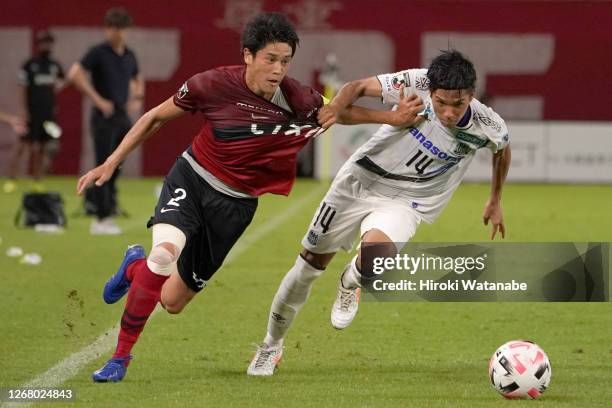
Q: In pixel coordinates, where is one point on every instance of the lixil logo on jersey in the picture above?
(258, 129)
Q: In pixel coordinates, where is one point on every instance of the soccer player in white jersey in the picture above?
(400, 177)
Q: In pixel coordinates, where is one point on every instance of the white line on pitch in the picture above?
(71, 365)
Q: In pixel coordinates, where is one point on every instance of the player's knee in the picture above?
(318, 261)
(162, 258)
(173, 307)
(374, 244)
(379, 243)
(168, 242)
(375, 235)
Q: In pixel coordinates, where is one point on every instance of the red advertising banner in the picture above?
(536, 59)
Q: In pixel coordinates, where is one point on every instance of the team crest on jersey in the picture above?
(422, 83)
(461, 149)
(399, 80)
(183, 91)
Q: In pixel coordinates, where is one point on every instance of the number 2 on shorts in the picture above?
(181, 194)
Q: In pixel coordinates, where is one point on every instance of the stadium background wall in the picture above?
(538, 60)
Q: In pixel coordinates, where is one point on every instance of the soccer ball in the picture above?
(520, 369)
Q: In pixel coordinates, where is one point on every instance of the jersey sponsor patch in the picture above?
(473, 139)
(259, 110)
(258, 129)
(433, 149)
(399, 80)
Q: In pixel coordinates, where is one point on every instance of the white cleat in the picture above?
(345, 307)
(104, 227)
(266, 360)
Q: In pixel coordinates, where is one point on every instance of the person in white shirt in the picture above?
(398, 178)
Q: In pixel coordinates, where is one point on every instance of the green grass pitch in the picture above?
(394, 354)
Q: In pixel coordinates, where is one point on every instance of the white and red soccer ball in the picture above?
(520, 369)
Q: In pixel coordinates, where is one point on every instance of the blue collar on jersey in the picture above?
(466, 118)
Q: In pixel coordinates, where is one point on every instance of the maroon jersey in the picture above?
(246, 141)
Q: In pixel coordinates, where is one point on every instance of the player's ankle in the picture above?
(348, 281)
(272, 342)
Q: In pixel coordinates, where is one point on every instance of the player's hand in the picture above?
(99, 175)
(18, 125)
(106, 107)
(408, 109)
(328, 115)
(494, 213)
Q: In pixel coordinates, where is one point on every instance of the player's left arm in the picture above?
(337, 111)
(406, 114)
(136, 94)
(493, 209)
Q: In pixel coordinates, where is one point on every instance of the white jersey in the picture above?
(424, 165)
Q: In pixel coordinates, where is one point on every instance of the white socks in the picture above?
(289, 299)
(351, 278)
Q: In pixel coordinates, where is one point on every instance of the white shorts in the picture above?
(349, 210)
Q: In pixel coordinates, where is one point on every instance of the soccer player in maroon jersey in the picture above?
(257, 119)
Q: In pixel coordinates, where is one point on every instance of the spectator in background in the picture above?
(40, 78)
(115, 84)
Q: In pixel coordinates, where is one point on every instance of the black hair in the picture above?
(268, 28)
(451, 71)
(118, 17)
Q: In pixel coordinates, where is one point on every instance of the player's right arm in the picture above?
(144, 128)
(78, 77)
(341, 109)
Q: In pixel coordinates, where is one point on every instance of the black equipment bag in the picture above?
(41, 208)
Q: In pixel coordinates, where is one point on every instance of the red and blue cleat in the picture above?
(118, 284)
